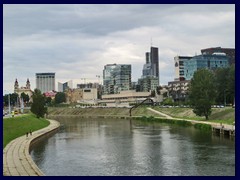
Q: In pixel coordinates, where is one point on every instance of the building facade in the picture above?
(210, 62)
(64, 86)
(45, 82)
(178, 90)
(179, 67)
(147, 84)
(154, 59)
(116, 78)
(230, 52)
(86, 95)
(27, 89)
(150, 73)
(124, 98)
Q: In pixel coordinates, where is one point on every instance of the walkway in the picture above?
(192, 121)
(16, 158)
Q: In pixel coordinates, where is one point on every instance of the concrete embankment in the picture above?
(16, 158)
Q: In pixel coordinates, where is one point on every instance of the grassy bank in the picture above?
(140, 111)
(18, 126)
(219, 115)
(167, 121)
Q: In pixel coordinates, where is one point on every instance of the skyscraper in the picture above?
(116, 78)
(154, 62)
(150, 73)
(45, 82)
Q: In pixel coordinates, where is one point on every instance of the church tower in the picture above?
(16, 86)
(28, 84)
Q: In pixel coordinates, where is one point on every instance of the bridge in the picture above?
(150, 101)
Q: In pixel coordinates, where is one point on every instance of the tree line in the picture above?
(209, 87)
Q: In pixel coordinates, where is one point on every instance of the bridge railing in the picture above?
(137, 105)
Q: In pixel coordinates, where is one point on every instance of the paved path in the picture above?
(16, 158)
(192, 121)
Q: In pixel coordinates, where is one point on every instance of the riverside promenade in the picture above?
(16, 158)
(221, 127)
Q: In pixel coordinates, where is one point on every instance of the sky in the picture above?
(76, 41)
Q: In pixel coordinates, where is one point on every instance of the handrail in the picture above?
(130, 111)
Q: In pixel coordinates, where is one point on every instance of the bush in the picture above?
(204, 127)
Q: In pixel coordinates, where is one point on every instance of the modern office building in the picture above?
(147, 84)
(116, 78)
(216, 60)
(45, 82)
(179, 67)
(230, 52)
(150, 73)
(154, 59)
(64, 86)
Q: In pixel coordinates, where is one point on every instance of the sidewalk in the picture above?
(16, 158)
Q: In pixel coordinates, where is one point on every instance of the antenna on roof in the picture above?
(151, 41)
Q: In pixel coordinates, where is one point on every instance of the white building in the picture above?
(45, 82)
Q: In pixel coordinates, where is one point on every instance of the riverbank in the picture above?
(16, 158)
(219, 115)
(17, 126)
(152, 113)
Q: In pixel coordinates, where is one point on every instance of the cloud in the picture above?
(76, 41)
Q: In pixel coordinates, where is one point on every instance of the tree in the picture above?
(231, 84)
(25, 97)
(153, 93)
(202, 92)
(60, 97)
(48, 100)
(37, 106)
(225, 85)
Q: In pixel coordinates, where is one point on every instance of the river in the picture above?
(116, 147)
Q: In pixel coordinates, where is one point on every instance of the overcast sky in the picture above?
(76, 41)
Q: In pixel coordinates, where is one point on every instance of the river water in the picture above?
(114, 147)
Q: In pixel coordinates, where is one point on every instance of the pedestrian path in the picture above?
(192, 121)
(16, 158)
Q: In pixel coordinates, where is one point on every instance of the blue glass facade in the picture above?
(204, 61)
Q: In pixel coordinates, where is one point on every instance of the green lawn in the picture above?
(18, 126)
(219, 115)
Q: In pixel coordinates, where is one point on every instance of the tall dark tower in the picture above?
(147, 57)
(155, 62)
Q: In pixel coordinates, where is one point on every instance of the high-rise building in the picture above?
(154, 62)
(216, 60)
(147, 84)
(116, 78)
(64, 86)
(45, 82)
(150, 73)
(230, 52)
(179, 67)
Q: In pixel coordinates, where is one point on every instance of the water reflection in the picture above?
(117, 147)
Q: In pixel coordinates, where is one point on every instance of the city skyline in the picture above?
(76, 44)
